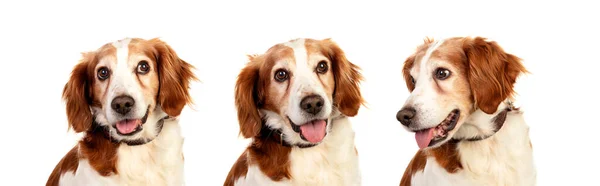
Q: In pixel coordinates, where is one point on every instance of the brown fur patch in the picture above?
(174, 75)
(251, 89)
(408, 64)
(68, 163)
(274, 100)
(347, 96)
(100, 152)
(271, 157)
(416, 164)
(77, 93)
(239, 169)
(446, 156)
(412, 59)
(492, 72)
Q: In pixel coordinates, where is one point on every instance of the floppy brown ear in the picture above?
(492, 72)
(347, 96)
(76, 95)
(174, 76)
(247, 99)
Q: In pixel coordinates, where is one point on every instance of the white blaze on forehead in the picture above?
(302, 79)
(300, 54)
(121, 73)
(122, 47)
(422, 68)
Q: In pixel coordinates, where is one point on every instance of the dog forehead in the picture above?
(121, 43)
(450, 54)
(428, 54)
(121, 51)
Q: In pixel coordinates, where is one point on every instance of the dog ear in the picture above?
(347, 96)
(76, 95)
(492, 72)
(247, 99)
(174, 76)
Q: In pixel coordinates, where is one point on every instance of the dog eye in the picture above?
(103, 73)
(322, 67)
(143, 67)
(412, 80)
(442, 73)
(281, 75)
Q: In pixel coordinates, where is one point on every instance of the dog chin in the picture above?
(439, 142)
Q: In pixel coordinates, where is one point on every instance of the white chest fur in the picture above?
(334, 162)
(505, 159)
(159, 162)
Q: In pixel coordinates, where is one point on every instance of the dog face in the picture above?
(127, 87)
(297, 87)
(451, 79)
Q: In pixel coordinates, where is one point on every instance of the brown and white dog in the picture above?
(460, 109)
(125, 97)
(294, 102)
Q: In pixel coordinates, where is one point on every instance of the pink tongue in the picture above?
(127, 126)
(314, 131)
(424, 137)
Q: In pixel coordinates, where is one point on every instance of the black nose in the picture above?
(122, 104)
(406, 115)
(312, 104)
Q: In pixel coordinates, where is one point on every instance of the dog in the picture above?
(461, 110)
(294, 102)
(125, 97)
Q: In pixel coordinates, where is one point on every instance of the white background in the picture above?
(41, 42)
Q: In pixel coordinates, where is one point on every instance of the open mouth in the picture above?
(313, 131)
(431, 136)
(128, 127)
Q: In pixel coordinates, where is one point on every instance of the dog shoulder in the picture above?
(239, 170)
(415, 165)
(68, 163)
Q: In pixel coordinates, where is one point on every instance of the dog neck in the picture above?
(481, 126)
(507, 151)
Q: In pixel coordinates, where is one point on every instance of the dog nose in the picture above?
(406, 115)
(122, 104)
(312, 104)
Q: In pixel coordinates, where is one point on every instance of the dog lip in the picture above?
(435, 141)
(145, 115)
(450, 125)
(296, 127)
(453, 123)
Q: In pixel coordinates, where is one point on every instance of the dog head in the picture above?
(297, 87)
(127, 87)
(449, 81)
